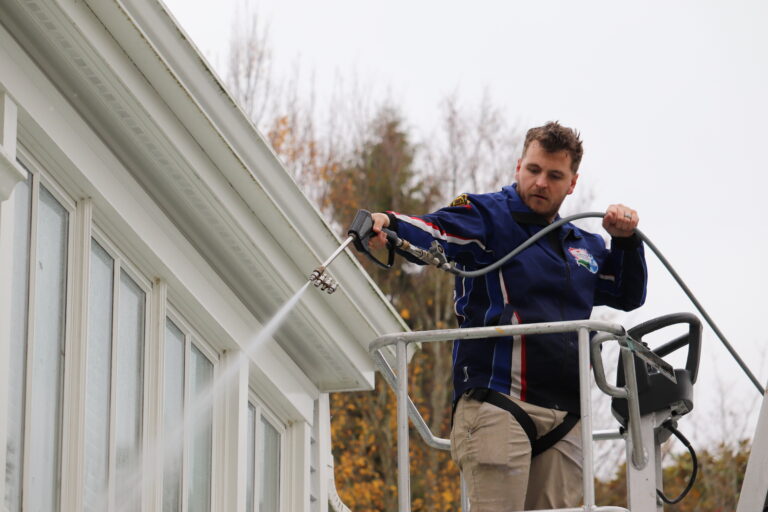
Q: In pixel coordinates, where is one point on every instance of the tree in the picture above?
(474, 149)
(283, 110)
(250, 77)
(381, 176)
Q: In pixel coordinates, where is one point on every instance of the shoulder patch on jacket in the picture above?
(461, 200)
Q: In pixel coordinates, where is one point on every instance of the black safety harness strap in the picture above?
(538, 444)
(502, 402)
(548, 440)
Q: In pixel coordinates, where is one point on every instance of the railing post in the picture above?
(464, 493)
(586, 420)
(403, 466)
(639, 456)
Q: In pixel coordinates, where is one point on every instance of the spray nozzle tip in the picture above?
(316, 275)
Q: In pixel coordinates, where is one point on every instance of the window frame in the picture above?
(191, 337)
(89, 220)
(262, 411)
(121, 264)
(38, 176)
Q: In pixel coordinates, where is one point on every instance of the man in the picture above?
(516, 396)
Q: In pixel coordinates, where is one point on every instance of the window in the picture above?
(41, 245)
(173, 405)
(133, 387)
(114, 384)
(200, 431)
(99, 350)
(128, 383)
(269, 459)
(187, 423)
(263, 461)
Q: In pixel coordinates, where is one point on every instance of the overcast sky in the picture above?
(670, 98)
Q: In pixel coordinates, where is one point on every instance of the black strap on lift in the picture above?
(538, 444)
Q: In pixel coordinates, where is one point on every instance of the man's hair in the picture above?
(555, 137)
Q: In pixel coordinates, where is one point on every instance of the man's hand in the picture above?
(380, 220)
(620, 221)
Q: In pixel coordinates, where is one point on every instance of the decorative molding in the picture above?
(10, 172)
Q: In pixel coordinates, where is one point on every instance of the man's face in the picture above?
(544, 179)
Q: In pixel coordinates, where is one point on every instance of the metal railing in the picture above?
(605, 332)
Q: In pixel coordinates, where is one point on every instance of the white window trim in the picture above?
(121, 264)
(154, 396)
(72, 328)
(112, 249)
(191, 334)
(8, 227)
(192, 337)
(263, 411)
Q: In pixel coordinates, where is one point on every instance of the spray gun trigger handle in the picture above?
(361, 230)
(392, 239)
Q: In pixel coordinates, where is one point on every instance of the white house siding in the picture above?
(120, 299)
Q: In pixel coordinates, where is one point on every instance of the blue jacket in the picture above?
(561, 277)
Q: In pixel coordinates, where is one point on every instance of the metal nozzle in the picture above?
(314, 277)
(329, 284)
(321, 280)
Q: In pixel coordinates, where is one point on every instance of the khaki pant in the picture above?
(494, 455)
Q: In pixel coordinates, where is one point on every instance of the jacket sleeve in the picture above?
(623, 279)
(462, 231)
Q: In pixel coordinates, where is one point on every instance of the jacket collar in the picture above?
(524, 215)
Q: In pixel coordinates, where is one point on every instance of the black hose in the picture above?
(555, 225)
(694, 461)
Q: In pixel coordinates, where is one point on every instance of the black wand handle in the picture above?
(361, 230)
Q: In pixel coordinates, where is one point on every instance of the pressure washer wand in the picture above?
(343, 246)
(360, 233)
(320, 279)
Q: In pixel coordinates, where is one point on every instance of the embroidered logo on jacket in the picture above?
(461, 200)
(583, 258)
